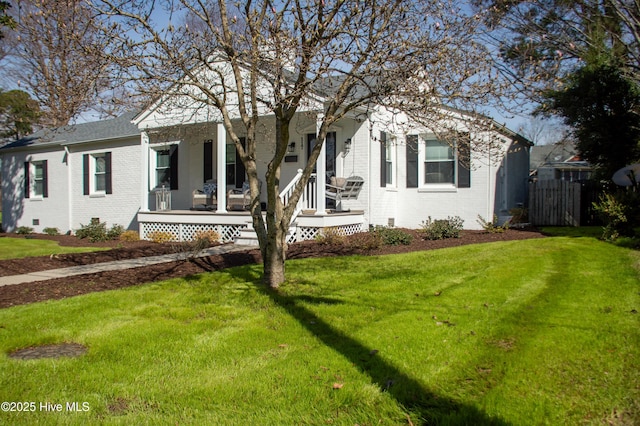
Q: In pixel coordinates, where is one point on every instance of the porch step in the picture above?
(248, 235)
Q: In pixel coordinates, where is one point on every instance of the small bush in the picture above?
(161, 236)
(492, 227)
(209, 237)
(51, 231)
(393, 236)
(366, 241)
(440, 229)
(331, 236)
(129, 236)
(114, 232)
(97, 232)
(620, 211)
(24, 230)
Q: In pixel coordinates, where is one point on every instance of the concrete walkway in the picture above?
(116, 265)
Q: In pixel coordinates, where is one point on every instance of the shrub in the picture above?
(161, 236)
(24, 230)
(51, 231)
(208, 237)
(620, 212)
(331, 236)
(440, 229)
(366, 241)
(114, 232)
(97, 232)
(492, 227)
(393, 236)
(130, 236)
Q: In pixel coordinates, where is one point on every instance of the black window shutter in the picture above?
(464, 165)
(173, 164)
(45, 179)
(208, 161)
(27, 180)
(240, 171)
(412, 161)
(107, 175)
(85, 174)
(383, 159)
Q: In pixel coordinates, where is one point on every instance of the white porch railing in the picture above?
(308, 199)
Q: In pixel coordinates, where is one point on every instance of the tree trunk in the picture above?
(273, 258)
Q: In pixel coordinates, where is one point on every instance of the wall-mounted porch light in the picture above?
(347, 146)
(291, 148)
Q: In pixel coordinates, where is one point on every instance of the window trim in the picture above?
(30, 179)
(425, 160)
(173, 167)
(89, 171)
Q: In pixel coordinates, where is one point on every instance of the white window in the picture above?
(39, 178)
(163, 167)
(439, 162)
(99, 173)
(390, 160)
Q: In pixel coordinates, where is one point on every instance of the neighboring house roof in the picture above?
(115, 128)
(551, 154)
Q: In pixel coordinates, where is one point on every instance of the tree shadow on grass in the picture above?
(422, 404)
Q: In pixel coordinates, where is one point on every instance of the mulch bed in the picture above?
(71, 286)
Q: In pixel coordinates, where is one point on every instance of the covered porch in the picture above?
(193, 180)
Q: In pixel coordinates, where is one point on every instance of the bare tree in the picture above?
(337, 57)
(58, 55)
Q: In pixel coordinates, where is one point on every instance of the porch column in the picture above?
(221, 168)
(321, 172)
(144, 167)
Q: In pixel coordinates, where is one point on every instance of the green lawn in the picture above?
(529, 332)
(15, 248)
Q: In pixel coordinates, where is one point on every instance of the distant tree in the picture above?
(58, 55)
(539, 42)
(600, 103)
(18, 114)
(5, 19)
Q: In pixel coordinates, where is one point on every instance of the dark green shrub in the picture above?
(24, 230)
(392, 236)
(97, 232)
(440, 229)
(51, 231)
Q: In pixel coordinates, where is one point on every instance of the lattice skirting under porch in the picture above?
(186, 231)
(304, 233)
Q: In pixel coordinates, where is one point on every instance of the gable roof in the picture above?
(115, 128)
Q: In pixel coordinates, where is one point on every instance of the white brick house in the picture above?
(63, 178)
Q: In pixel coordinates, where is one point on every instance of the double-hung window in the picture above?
(163, 166)
(387, 160)
(36, 179)
(97, 174)
(439, 162)
(438, 165)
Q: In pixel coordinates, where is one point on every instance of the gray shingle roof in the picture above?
(115, 128)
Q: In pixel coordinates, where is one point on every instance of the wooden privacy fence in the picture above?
(555, 203)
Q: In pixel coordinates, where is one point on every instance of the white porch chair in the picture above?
(341, 188)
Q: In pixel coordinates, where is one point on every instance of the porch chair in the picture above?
(205, 198)
(202, 200)
(239, 199)
(341, 188)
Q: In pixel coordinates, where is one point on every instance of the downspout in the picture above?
(69, 190)
(370, 171)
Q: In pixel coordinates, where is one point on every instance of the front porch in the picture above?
(183, 224)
